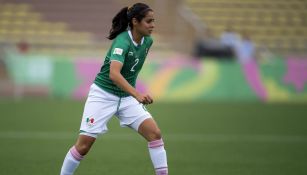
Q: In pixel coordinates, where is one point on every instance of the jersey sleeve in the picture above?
(119, 50)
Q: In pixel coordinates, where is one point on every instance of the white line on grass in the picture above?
(172, 137)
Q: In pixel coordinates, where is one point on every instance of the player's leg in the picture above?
(84, 144)
(76, 154)
(133, 114)
(151, 132)
(99, 108)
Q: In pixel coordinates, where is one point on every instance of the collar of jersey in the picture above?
(134, 43)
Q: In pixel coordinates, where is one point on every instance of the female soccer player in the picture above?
(113, 91)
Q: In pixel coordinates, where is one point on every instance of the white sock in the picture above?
(158, 156)
(71, 161)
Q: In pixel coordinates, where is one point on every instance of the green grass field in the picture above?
(200, 139)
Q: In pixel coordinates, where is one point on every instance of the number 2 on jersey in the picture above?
(136, 62)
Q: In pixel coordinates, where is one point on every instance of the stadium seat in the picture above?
(273, 20)
(19, 21)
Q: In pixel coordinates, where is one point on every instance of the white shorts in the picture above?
(100, 106)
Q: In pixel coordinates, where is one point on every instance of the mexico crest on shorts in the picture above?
(90, 121)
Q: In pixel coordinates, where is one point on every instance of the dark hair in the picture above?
(124, 17)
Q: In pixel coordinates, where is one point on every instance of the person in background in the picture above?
(245, 49)
(230, 39)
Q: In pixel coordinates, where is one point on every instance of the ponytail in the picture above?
(119, 23)
(123, 18)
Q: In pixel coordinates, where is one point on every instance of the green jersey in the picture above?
(126, 51)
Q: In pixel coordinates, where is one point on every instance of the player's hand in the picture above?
(144, 99)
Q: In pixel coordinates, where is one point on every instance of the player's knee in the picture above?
(155, 135)
(83, 149)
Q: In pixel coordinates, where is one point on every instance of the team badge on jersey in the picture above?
(118, 51)
(90, 121)
(130, 54)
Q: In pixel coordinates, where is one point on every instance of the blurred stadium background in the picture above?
(228, 78)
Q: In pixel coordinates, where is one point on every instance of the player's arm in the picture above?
(121, 82)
